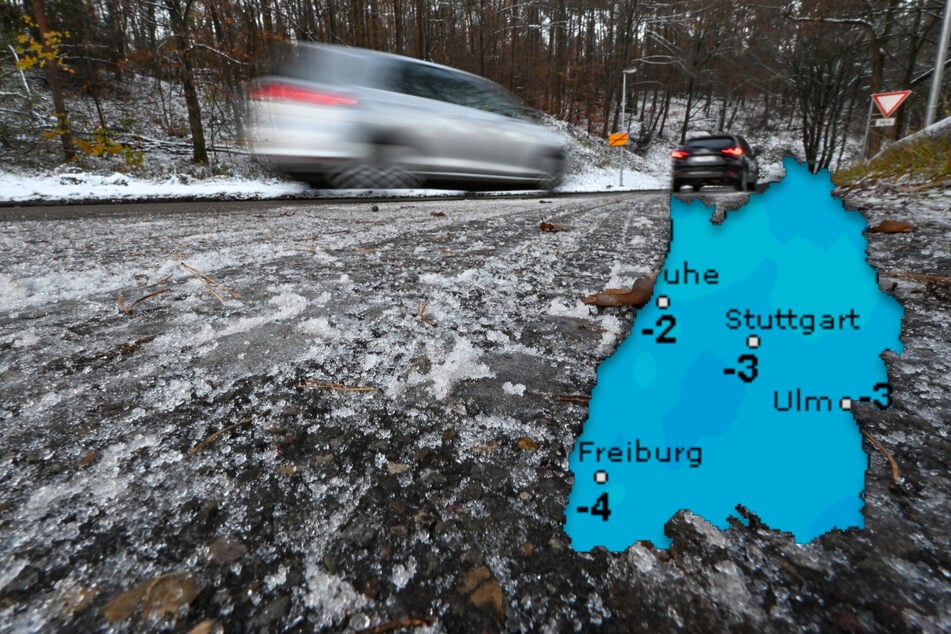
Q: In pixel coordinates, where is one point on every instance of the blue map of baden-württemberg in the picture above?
(736, 382)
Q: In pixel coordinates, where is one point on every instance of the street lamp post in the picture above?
(935, 93)
(624, 74)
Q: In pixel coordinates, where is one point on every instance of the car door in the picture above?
(450, 113)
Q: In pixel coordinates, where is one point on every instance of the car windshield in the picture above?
(323, 65)
(441, 84)
(711, 143)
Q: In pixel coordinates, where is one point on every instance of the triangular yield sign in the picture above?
(888, 102)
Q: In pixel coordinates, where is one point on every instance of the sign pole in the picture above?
(620, 148)
(868, 126)
(939, 66)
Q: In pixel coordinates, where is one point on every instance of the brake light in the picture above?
(679, 154)
(733, 151)
(297, 93)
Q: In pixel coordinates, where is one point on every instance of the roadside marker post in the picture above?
(618, 139)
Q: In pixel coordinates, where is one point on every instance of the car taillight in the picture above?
(297, 93)
(679, 154)
(733, 151)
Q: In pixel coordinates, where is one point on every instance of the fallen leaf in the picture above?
(164, 596)
(552, 227)
(527, 444)
(637, 296)
(169, 595)
(489, 595)
(88, 459)
(891, 226)
(397, 467)
(205, 627)
(227, 550)
(124, 605)
(473, 578)
(437, 214)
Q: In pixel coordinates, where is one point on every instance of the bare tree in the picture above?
(179, 12)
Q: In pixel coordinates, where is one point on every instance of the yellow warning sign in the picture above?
(619, 138)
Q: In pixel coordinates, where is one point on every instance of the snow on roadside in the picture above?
(87, 187)
(83, 186)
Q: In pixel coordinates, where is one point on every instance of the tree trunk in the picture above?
(420, 29)
(52, 74)
(179, 17)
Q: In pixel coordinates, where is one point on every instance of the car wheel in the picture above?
(742, 184)
(751, 185)
(386, 168)
(393, 162)
(676, 185)
(552, 173)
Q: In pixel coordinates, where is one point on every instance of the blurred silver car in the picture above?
(349, 117)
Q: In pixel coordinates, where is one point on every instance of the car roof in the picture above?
(372, 56)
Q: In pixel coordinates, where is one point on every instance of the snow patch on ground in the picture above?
(460, 364)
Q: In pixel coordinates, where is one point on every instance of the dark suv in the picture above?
(722, 159)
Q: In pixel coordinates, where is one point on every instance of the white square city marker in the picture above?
(600, 477)
(663, 301)
(846, 403)
(752, 341)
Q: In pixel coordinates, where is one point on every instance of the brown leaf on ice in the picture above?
(226, 550)
(638, 295)
(552, 227)
(483, 590)
(205, 627)
(164, 596)
(527, 444)
(891, 226)
(437, 214)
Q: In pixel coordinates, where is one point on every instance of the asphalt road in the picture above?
(370, 429)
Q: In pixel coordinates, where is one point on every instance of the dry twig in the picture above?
(401, 624)
(128, 308)
(336, 387)
(581, 400)
(565, 398)
(421, 313)
(896, 476)
(211, 283)
(928, 279)
(210, 439)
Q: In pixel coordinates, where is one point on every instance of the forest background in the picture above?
(806, 67)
